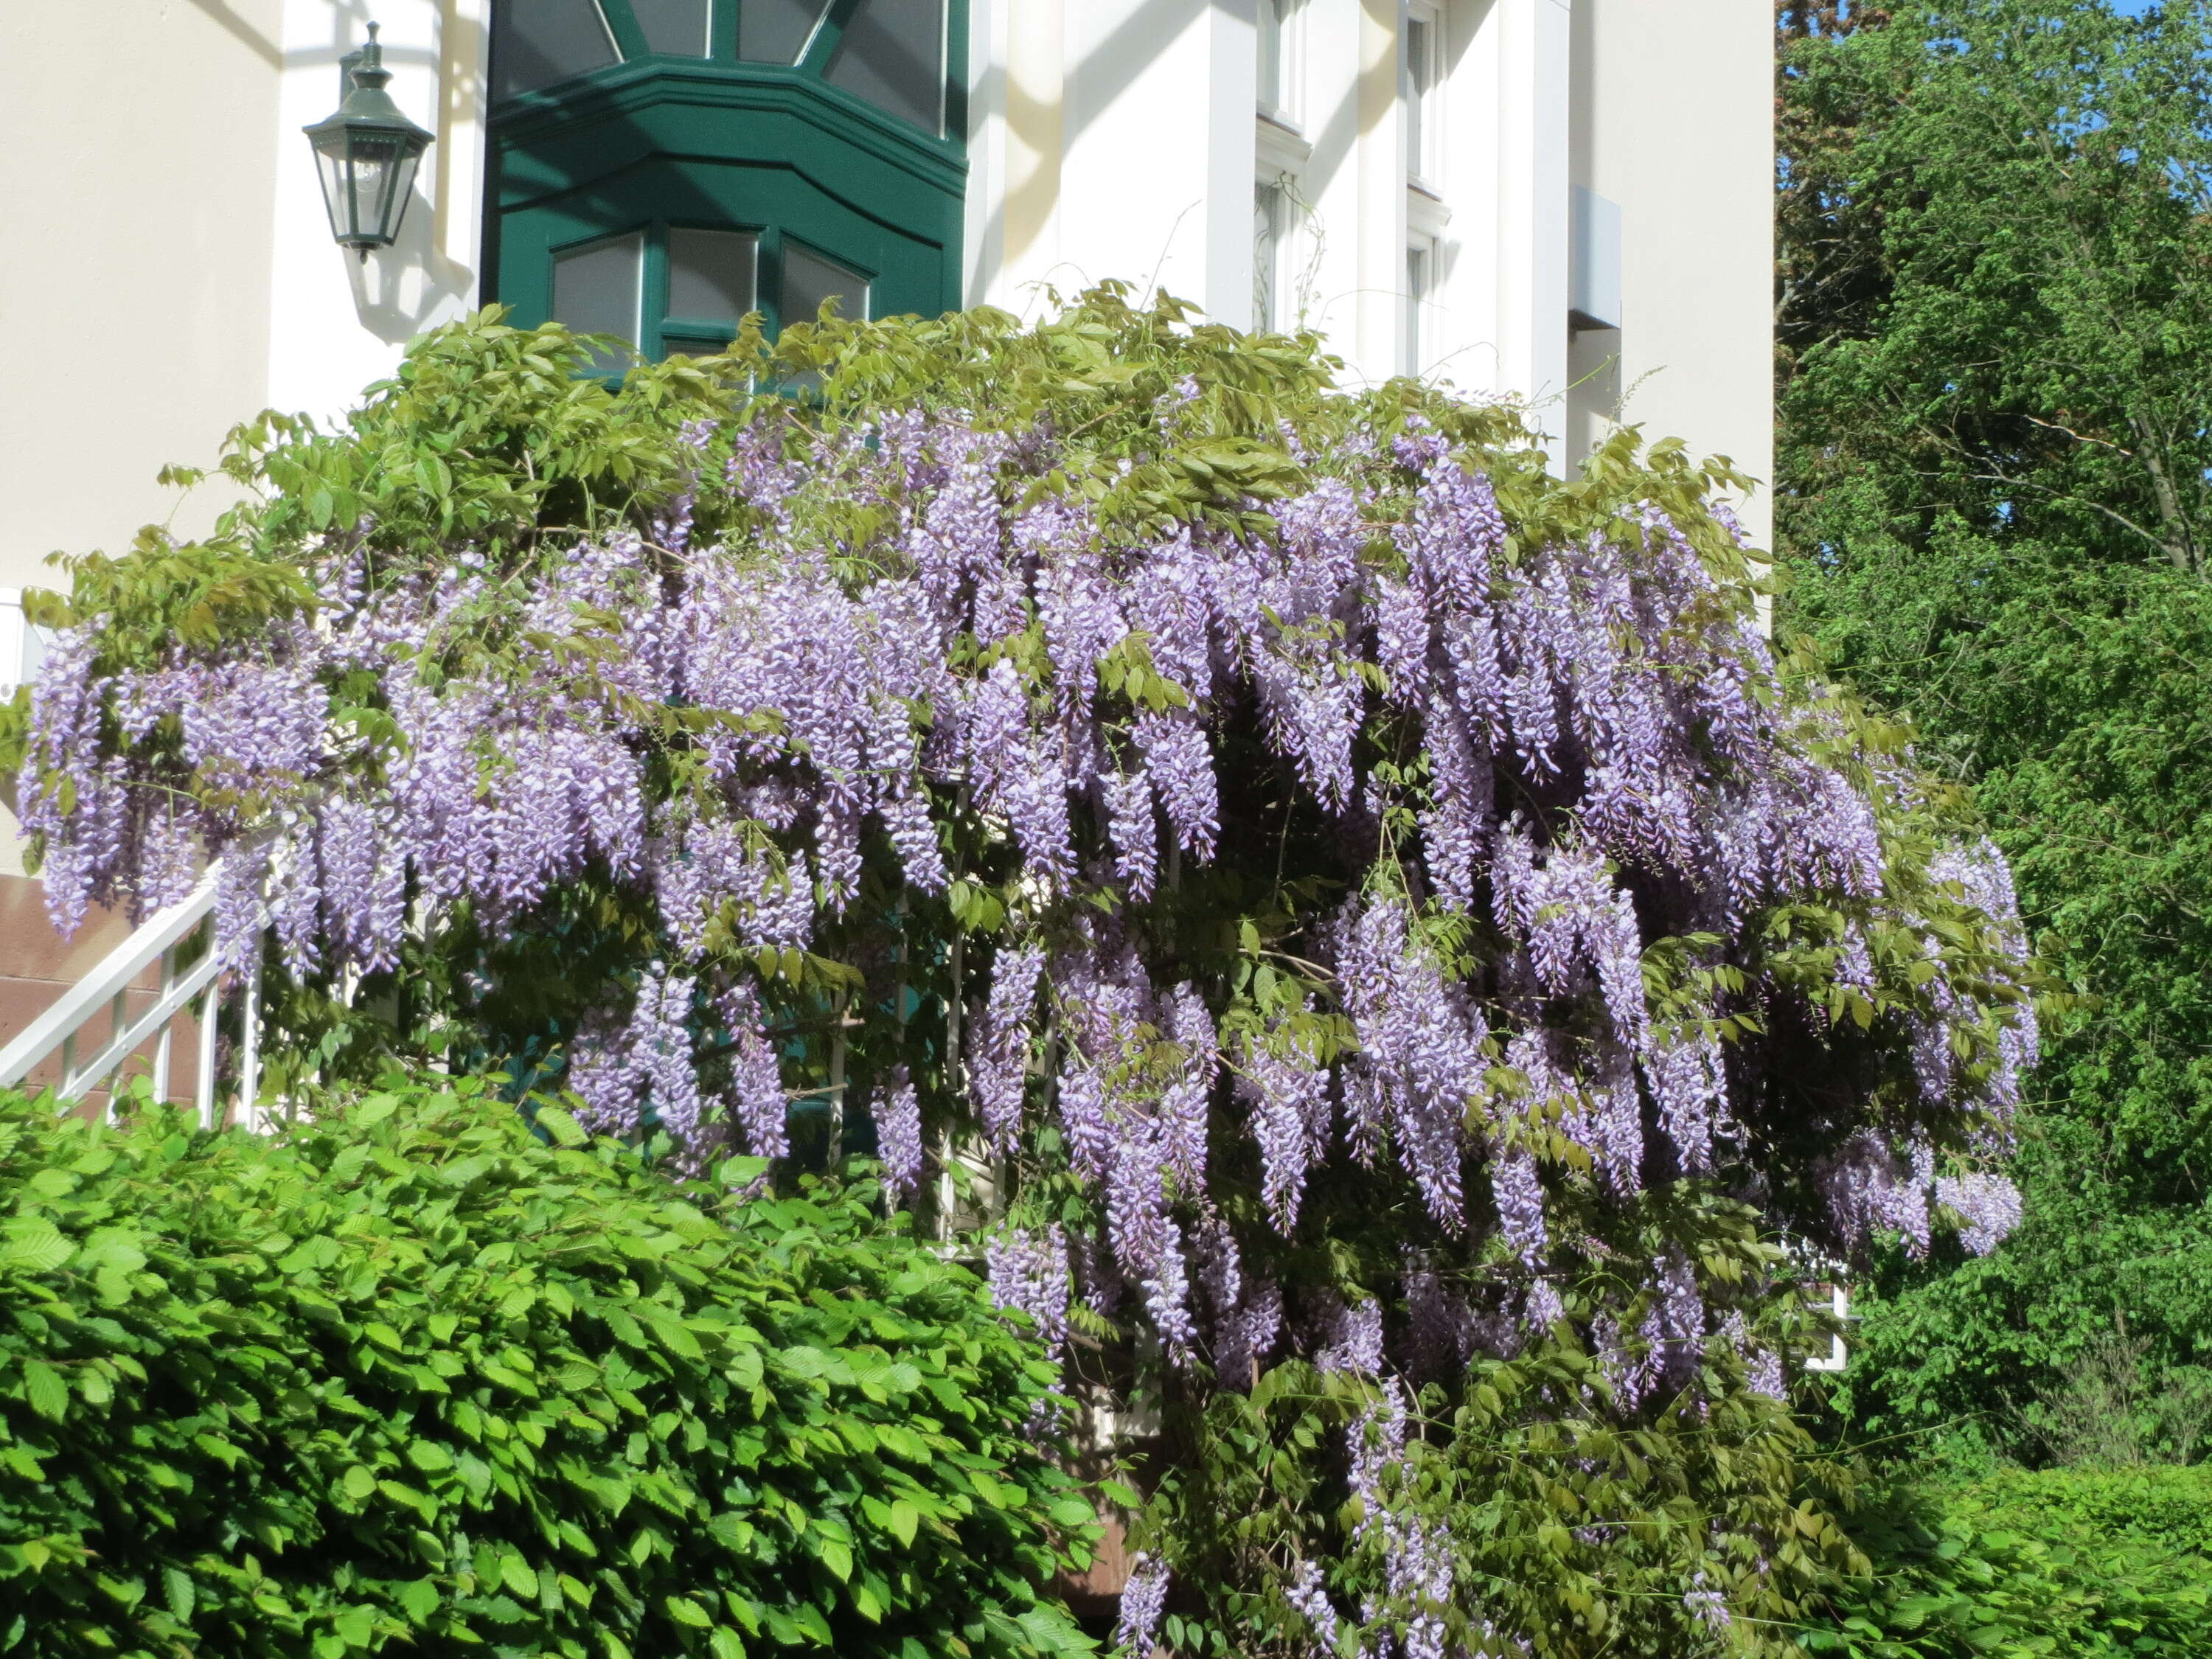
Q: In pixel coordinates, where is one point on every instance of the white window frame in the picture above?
(1424, 272)
(1838, 1296)
(14, 636)
(1282, 155)
(22, 648)
(1267, 253)
(1420, 91)
(1283, 22)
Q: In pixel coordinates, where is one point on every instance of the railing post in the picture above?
(161, 1046)
(204, 1083)
(249, 1067)
(837, 1092)
(118, 1016)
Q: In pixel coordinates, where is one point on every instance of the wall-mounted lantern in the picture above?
(366, 154)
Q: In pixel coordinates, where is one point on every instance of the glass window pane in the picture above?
(535, 43)
(892, 54)
(678, 28)
(595, 289)
(809, 279)
(776, 31)
(710, 273)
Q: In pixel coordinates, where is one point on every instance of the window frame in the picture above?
(702, 329)
(1420, 99)
(779, 321)
(555, 253)
(632, 54)
(789, 153)
(1420, 297)
(1268, 318)
(1287, 108)
(658, 325)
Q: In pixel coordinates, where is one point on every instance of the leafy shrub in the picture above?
(1983, 269)
(2017, 1350)
(2076, 1562)
(410, 1375)
(1697, 1531)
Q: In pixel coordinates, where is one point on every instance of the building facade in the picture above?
(1561, 201)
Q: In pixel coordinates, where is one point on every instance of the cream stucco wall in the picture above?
(135, 294)
(172, 271)
(1673, 120)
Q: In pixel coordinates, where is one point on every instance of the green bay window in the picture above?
(660, 167)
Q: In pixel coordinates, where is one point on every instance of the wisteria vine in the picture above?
(1238, 829)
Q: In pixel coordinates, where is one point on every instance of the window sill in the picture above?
(1279, 146)
(1425, 212)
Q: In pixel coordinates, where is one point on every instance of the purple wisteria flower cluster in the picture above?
(1375, 846)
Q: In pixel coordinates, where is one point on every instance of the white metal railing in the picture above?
(162, 939)
(1838, 1354)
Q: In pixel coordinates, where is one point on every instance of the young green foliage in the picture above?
(1994, 306)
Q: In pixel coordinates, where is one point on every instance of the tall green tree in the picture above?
(1993, 310)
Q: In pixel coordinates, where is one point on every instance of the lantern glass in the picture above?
(384, 173)
(367, 180)
(337, 190)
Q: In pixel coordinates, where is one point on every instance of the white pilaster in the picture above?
(1159, 158)
(1533, 219)
(1376, 348)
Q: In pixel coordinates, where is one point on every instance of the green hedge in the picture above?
(2072, 1563)
(410, 1377)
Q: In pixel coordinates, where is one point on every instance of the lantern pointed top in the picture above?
(368, 102)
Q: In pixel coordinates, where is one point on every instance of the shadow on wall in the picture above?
(401, 290)
(228, 19)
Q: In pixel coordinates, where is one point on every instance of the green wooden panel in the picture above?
(907, 271)
(682, 113)
(713, 143)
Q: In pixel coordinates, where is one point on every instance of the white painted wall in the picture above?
(136, 186)
(1157, 169)
(1673, 119)
(1110, 138)
(1532, 202)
